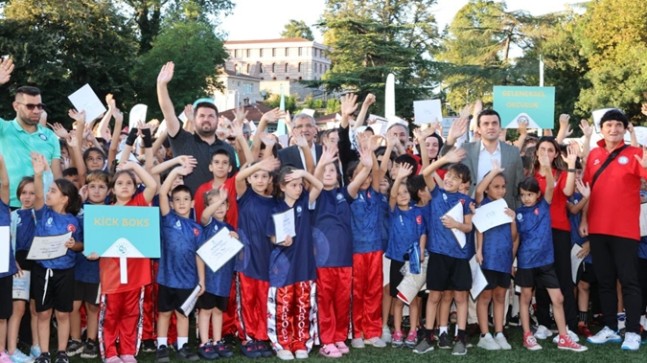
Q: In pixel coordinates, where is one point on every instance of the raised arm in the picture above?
(366, 160)
(165, 76)
(587, 131)
(40, 164)
(315, 185)
(564, 128)
(4, 182)
(348, 106)
(453, 156)
(269, 116)
(103, 129)
(6, 67)
(150, 185)
(404, 170)
(328, 156)
(570, 159)
(307, 154)
(116, 133)
(165, 206)
(76, 143)
(214, 203)
(482, 186)
(550, 179)
(363, 111)
(268, 165)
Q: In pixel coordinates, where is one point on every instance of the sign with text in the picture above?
(121, 231)
(534, 105)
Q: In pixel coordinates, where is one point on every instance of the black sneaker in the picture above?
(149, 346)
(186, 354)
(43, 358)
(265, 348)
(61, 357)
(207, 352)
(90, 349)
(162, 354)
(444, 342)
(223, 349)
(74, 347)
(251, 349)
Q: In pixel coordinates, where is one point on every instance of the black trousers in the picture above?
(562, 253)
(617, 258)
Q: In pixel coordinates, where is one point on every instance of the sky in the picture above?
(264, 19)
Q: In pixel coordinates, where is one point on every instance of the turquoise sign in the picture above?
(118, 231)
(534, 105)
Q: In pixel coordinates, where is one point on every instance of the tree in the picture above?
(297, 29)
(196, 51)
(61, 45)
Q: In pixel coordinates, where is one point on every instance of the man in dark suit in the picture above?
(295, 155)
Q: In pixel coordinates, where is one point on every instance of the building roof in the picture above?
(240, 75)
(254, 111)
(277, 40)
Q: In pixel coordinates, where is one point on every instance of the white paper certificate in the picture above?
(219, 249)
(189, 303)
(46, 248)
(457, 214)
(491, 215)
(84, 99)
(575, 261)
(643, 220)
(5, 249)
(21, 286)
(479, 282)
(284, 225)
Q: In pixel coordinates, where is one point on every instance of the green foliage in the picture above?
(297, 29)
(333, 105)
(196, 51)
(274, 100)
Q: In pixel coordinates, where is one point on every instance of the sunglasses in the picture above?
(32, 106)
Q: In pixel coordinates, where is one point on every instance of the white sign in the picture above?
(219, 249)
(491, 215)
(84, 99)
(284, 225)
(427, 111)
(189, 303)
(137, 115)
(5, 249)
(47, 248)
(479, 282)
(457, 214)
(575, 261)
(378, 123)
(21, 286)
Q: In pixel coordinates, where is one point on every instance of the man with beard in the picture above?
(24, 135)
(203, 143)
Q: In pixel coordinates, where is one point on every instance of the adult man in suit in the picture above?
(304, 126)
(481, 153)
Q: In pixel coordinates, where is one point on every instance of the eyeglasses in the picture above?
(32, 106)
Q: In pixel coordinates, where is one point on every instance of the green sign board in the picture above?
(535, 105)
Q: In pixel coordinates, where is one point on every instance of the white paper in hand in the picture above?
(491, 215)
(284, 225)
(219, 249)
(479, 282)
(137, 114)
(84, 99)
(457, 214)
(5, 249)
(575, 261)
(643, 220)
(427, 111)
(21, 286)
(47, 248)
(189, 303)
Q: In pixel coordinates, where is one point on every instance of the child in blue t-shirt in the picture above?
(406, 232)
(180, 268)
(52, 280)
(6, 277)
(495, 251)
(535, 257)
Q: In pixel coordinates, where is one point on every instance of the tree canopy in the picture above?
(297, 29)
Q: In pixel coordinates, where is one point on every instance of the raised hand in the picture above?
(240, 115)
(348, 104)
(269, 164)
(273, 115)
(586, 128)
(6, 67)
(544, 161)
(328, 156)
(564, 125)
(166, 73)
(455, 155)
(458, 129)
(643, 109)
(188, 112)
(188, 160)
(572, 151)
(110, 101)
(59, 130)
(404, 170)
(184, 169)
(584, 189)
(369, 100)
(366, 157)
(268, 140)
(642, 160)
(38, 162)
(496, 167)
(78, 116)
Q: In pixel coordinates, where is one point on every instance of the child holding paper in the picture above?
(121, 303)
(407, 236)
(52, 280)
(495, 251)
(215, 299)
(448, 270)
(292, 268)
(535, 257)
(6, 272)
(181, 270)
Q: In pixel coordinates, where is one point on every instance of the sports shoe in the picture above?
(149, 346)
(207, 352)
(90, 349)
(342, 347)
(34, 351)
(584, 331)
(223, 349)
(128, 358)
(606, 335)
(251, 349)
(543, 332)
(265, 348)
(19, 357)
(186, 354)
(74, 347)
(500, 339)
(425, 345)
(284, 354)
(571, 334)
(113, 359)
(622, 318)
(565, 342)
(487, 342)
(412, 339)
(386, 335)
(61, 357)
(162, 354)
(530, 342)
(301, 354)
(397, 339)
(632, 342)
(330, 351)
(5, 358)
(358, 343)
(514, 321)
(44, 358)
(459, 348)
(444, 342)
(377, 342)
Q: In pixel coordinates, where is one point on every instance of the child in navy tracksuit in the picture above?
(6, 277)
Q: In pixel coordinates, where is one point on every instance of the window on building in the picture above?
(260, 52)
(299, 67)
(248, 68)
(300, 51)
(236, 53)
(273, 52)
(286, 68)
(248, 52)
(273, 67)
(286, 52)
(260, 68)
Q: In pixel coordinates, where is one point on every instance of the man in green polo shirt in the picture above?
(24, 135)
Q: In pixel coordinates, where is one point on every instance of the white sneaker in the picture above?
(386, 334)
(284, 354)
(632, 342)
(301, 354)
(376, 342)
(487, 342)
(502, 341)
(357, 343)
(19, 357)
(606, 335)
(573, 336)
(543, 333)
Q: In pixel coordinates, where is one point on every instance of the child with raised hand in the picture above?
(254, 207)
(180, 268)
(6, 278)
(121, 303)
(52, 281)
(535, 256)
(292, 268)
(448, 271)
(215, 299)
(406, 232)
(495, 251)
